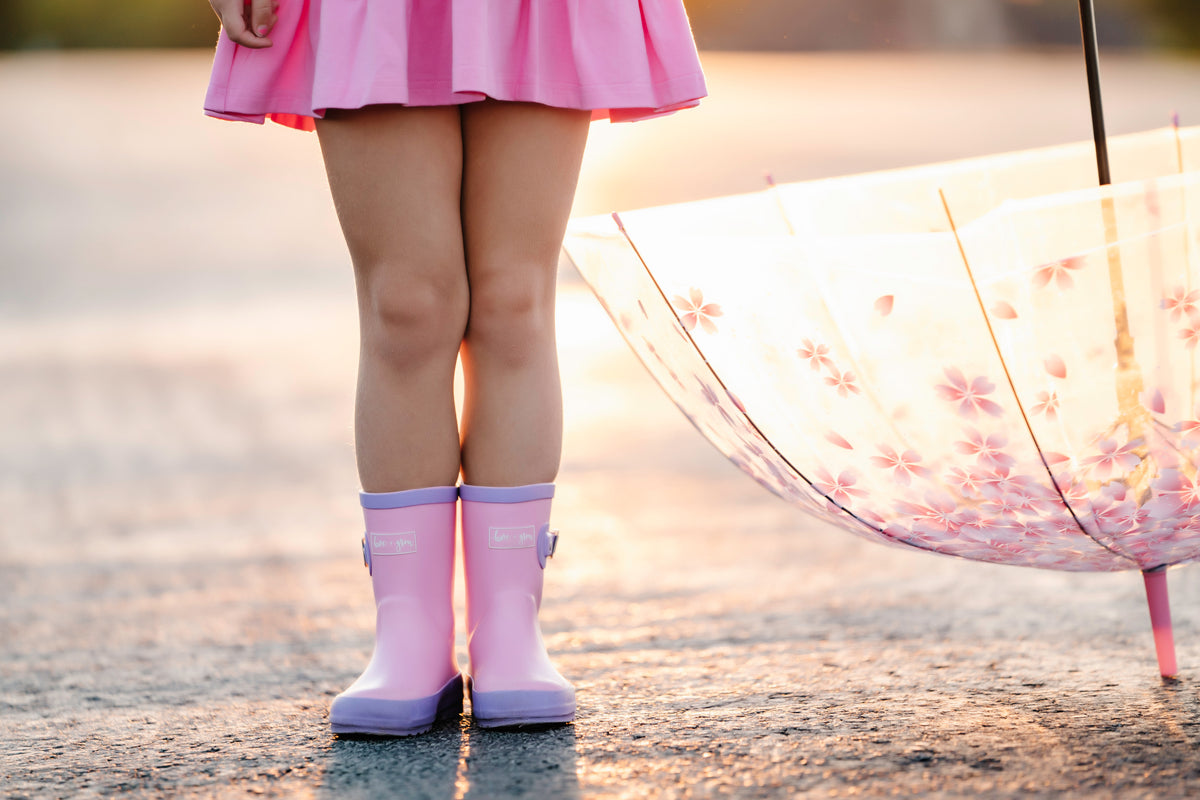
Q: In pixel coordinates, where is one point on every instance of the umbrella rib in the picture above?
(746, 415)
(1187, 249)
(1012, 384)
(787, 221)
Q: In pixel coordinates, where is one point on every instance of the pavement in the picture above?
(181, 591)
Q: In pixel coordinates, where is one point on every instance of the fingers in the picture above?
(262, 17)
(235, 28)
(236, 19)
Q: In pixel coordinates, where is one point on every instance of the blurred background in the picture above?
(719, 24)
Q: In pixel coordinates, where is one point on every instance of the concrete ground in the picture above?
(181, 592)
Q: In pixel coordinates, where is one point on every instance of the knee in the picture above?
(407, 319)
(511, 317)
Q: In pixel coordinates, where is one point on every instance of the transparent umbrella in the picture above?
(993, 359)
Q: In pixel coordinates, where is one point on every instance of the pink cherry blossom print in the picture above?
(968, 394)
(934, 521)
(817, 355)
(992, 530)
(1002, 310)
(1037, 503)
(1055, 366)
(713, 399)
(898, 532)
(695, 310)
(1055, 459)
(1175, 495)
(967, 480)
(839, 440)
(988, 449)
(1001, 481)
(904, 466)
(1005, 504)
(840, 489)
(1058, 272)
(1190, 333)
(871, 517)
(1035, 487)
(1064, 525)
(1034, 529)
(1073, 490)
(1047, 404)
(1181, 303)
(843, 382)
(1189, 429)
(1113, 456)
(1118, 518)
(782, 472)
(883, 306)
(1165, 452)
(1155, 401)
(1113, 491)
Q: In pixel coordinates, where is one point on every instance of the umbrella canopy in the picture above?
(993, 358)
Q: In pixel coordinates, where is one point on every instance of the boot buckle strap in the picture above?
(367, 556)
(547, 543)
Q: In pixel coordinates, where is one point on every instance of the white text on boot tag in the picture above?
(393, 544)
(512, 538)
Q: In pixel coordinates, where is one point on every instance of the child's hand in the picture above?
(247, 22)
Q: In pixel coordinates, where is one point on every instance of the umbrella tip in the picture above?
(1174, 119)
(770, 179)
(1160, 620)
(617, 219)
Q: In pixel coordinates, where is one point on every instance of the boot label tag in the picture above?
(515, 538)
(393, 544)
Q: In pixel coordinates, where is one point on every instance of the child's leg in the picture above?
(520, 166)
(396, 174)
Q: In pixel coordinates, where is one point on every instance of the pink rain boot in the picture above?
(412, 679)
(506, 541)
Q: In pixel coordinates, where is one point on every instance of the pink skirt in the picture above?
(622, 59)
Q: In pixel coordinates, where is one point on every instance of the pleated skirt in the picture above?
(623, 60)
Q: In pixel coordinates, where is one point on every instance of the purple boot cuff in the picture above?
(506, 494)
(412, 497)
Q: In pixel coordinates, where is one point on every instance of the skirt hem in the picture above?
(617, 102)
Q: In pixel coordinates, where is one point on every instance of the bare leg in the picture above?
(396, 176)
(520, 166)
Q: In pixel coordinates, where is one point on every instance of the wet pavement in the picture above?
(181, 592)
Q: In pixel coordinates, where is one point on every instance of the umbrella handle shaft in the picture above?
(1087, 26)
(1160, 620)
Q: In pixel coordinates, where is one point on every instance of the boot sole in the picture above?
(510, 709)
(379, 717)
